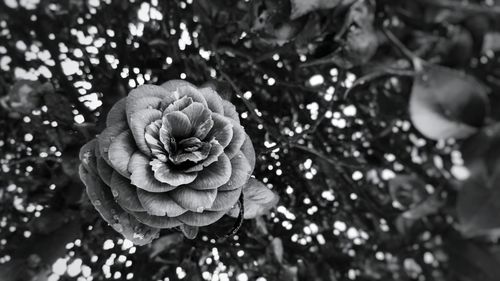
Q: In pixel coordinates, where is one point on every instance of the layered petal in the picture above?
(138, 123)
(202, 219)
(112, 213)
(213, 176)
(215, 151)
(125, 193)
(192, 199)
(222, 130)
(237, 141)
(241, 172)
(193, 93)
(159, 204)
(230, 111)
(165, 174)
(156, 221)
(104, 170)
(142, 175)
(152, 137)
(175, 125)
(117, 113)
(177, 105)
(249, 152)
(174, 85)
(87, 155)
(120, 151)
(226, 200)
(197, 114)
(214, 101)
(105, 138)
(147, 97)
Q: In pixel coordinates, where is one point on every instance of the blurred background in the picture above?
(323, 88)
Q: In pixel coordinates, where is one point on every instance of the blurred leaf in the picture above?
(445, 103)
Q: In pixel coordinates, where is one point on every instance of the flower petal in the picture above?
(230, 111)
(138, 122)
(87, 155)
(142, 175)
(249, 152)
(189, 231)
(241, 172)
(117, 113)
(163, 173)
(222, 130)
(105, 138)
(202, 219)
(124, 193)
(157, 221)
(202, 130)
(120, 151)
(173, 85)
(152, 137)
(197, 114)
(178, 105)
(193, 93)
(215, 151)
(214, 101)
(213, 176)
(194, 200)
(175, 124)
(141, 104)
(112, 213)
(159, 204)
(237, 141)
(257, 198)
(225, 200)
(147, 96)
(105, 171)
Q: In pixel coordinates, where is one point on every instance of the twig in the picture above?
(414, 59)
(319, 155)
(374, 75)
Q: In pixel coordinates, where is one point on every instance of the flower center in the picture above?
(190, 149)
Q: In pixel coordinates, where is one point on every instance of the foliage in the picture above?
(375, 121)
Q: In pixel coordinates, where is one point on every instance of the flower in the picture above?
(170, 156)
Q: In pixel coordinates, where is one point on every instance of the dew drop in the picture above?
(200, 209)
(97, 203)
(114, 192)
